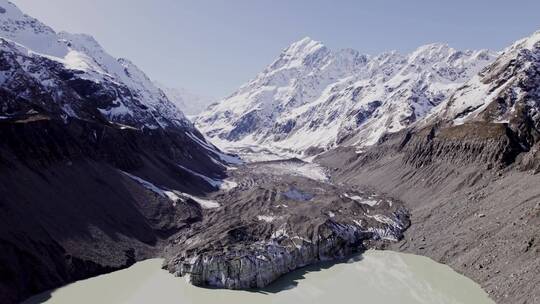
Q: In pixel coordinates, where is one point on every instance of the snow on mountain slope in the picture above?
(16, 26)
(312, 98)
(137, 101)
(188, 102)
(501, 91)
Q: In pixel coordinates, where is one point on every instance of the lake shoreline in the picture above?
(414, 278)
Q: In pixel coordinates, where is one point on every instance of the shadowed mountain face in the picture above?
(79, 128)
(70, 210)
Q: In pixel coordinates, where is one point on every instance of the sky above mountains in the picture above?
(212, 47)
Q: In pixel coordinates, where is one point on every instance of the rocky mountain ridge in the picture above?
(131, 98)
(312, 98)
(506, 93)
(79, 128)
(470, 167)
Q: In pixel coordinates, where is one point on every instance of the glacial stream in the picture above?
(374, 277)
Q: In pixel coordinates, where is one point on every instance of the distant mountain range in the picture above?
(188, 102)
(311, 98)
(436, 152)
(469, 173)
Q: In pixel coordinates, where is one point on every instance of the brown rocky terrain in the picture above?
(282, 215)
(474, 199)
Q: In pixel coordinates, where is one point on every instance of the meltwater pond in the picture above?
(374, 277)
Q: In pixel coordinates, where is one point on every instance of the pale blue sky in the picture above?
(213, 46)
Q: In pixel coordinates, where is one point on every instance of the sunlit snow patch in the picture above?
(224, 184)
(229, 159)
(204, 203)
(361, 200)
(173, 196)
(266, 218)
(303, 169)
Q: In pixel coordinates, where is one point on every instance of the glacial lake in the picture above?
(373, 277)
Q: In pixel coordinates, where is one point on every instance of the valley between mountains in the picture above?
(323, 154)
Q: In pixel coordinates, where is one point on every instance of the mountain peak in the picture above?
(504, 86)
(30, 32)
(83, 53)
(304, 47)
(533, 41)
(312, 98)
(7, 7)
(431, 51)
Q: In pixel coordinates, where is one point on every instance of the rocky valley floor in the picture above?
(257, 221)
(79, 217)
(271, 217)
(277, 217)
(481, 221)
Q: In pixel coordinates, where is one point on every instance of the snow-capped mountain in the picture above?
(312, 98)
(71, 77)
(127, 95)
(188, 102)
(508, 91)
(94, 159)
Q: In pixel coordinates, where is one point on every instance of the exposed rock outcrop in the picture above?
(275, 222)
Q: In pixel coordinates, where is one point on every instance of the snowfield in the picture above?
(173, 195)
(145, 106)
(221, 184)
(293, 168)
(475, 96)
(312, 98)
